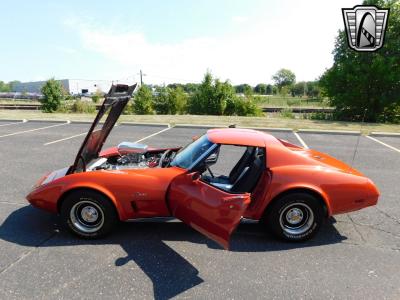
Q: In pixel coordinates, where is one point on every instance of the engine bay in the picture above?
(131, 161)
(134, 156)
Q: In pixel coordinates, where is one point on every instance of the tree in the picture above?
(12, 84)
(190, 87)
(299, 89)
(243, 88)
(284, 77)
(170, 101)
(53, 95)
(199, 101)
(313, 89)
(261, 89)
(178, 101)
(269, 89)
(143, 101)
(366, 83)
(5, 87)
(214, 97)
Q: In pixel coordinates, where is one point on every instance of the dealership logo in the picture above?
(365, 27)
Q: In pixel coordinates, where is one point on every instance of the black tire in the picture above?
(88, 214)
(295, 217)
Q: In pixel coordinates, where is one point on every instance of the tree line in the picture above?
(210, 97)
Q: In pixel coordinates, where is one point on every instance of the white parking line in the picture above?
(80, 134)
(19, 122)
(36, 129)
(382, 143)
(64, 139)
(300, 140)
(151, 135)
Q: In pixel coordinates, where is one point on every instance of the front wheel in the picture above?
(295, 217)
(88, 214)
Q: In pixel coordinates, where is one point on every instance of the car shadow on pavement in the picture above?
(145, 244)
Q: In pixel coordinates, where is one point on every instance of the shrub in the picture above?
(287, 113)
(161, 101)
(80, 106)
(143, 101)
(178, 100)
(391, 114)
(97, 96)
(242, 107)
(291, 102)
(320, 116)
(53, 95)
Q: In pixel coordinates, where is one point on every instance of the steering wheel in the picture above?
(163, 158)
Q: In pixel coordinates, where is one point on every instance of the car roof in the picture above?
(241, 137)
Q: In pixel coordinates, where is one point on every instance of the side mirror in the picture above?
(212, 159)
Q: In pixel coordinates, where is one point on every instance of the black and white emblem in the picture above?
(365, 27)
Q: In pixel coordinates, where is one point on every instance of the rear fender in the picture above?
(293, 178)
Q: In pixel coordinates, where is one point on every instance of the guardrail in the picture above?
(299, 109)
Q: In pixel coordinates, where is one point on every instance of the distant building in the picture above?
(71, 86)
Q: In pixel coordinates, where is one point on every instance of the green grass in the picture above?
(289, 101)
(271, 121)
(18, 101)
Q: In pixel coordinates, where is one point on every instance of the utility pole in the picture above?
(141, 77)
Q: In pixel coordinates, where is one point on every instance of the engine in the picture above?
(130, 161)
(129, 156)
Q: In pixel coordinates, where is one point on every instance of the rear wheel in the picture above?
(88, 214)
(294, 217)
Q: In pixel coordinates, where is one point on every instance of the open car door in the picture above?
(211, 211)
(113, 105)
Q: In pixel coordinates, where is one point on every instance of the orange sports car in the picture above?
(289, 189)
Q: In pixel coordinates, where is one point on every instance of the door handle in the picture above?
(232, 198)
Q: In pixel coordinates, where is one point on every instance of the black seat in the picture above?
(243, 162)
(249, 177)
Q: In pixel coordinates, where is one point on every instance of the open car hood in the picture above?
(113, 105)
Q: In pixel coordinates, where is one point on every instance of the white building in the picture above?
(71, 86)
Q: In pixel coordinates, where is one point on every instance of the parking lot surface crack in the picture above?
(24, 255)
(387, 215)
(355, 228)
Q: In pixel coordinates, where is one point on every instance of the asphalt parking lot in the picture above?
(355, 256)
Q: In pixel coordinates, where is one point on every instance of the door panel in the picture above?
(212, 212)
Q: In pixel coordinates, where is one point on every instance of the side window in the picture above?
(236, 170)
(228, 156)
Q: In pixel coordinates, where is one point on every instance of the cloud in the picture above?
(252, 54)
(65, 50)
(239, 19)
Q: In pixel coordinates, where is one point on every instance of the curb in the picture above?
(199, 126)
(49, 121)
(338, 132)
(145, 124)
(81, 122)
(381, 133)
(270, 129)
(14, 120)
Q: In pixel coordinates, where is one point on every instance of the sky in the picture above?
(171, 41)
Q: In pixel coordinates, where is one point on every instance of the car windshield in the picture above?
(190, 153)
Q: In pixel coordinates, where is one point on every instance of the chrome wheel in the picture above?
(86, 216)
(296, 218)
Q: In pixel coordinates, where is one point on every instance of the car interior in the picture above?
(244, 175)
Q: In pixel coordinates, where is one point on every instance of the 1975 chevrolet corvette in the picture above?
(289, 189)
